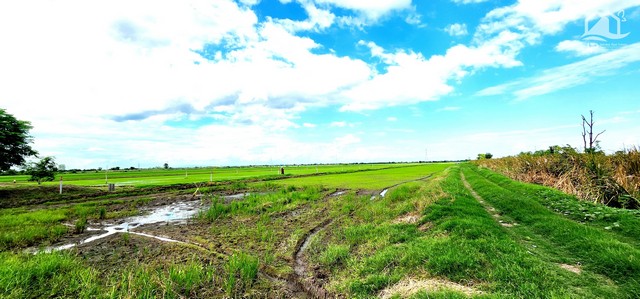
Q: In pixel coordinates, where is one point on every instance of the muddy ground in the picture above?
(278, 239)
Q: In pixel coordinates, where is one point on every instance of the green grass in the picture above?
(24, 227)
(433, 229)
(464, 244)
(598, 250)
(49, 275)
(161, 177)
(371, 180)
(241, 272)
(253, 204)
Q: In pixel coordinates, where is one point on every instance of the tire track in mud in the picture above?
(309, 283)
(301, 268)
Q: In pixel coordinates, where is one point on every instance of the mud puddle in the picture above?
(175, 214)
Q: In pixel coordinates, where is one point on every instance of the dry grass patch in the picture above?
(410, 218)
(573, 268)
(408, 287)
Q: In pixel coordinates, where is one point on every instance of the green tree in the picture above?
(43, 170)
(14, 141)
(485, 156)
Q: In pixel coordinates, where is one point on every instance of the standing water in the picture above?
(176, 213)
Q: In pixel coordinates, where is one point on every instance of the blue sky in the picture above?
(237, 82)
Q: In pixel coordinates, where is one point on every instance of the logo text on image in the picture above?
(605, 28)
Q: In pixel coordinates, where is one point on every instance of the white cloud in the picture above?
(135, 58)
(392, 118)
(250, 2)
(309, 125)
(450, 108)
(547, 17)
(579, 48)
(372, 10)
(136, 61)
(468, 1)
(411, 78)
(338, 124)
(456, 29)
(121, 71)
(570, 75)
(319, 19)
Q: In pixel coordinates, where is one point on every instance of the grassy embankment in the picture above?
(424, 239)
(612, 180)
(458, 247)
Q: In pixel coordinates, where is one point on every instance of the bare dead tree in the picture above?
(587, 130)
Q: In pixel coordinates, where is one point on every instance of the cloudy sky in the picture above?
(235, 82)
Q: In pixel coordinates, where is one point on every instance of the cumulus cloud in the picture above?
(456, 29)
(372, 10)
(412, 78)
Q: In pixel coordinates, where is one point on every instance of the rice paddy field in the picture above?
(436, 230)
(159, 177)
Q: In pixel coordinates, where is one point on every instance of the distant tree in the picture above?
(166, 165)
(592, 144)
(488, 155)
(43, 170)
(14, 141)
(481, 156)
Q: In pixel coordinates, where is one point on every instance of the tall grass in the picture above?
(22, 228)
(256, 204)
(612, 180)
(241, 272)
(53, 275)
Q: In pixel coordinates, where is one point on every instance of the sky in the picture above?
(140, 83)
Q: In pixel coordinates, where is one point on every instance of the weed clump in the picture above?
(80, 225)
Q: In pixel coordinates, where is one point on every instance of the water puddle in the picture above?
(338, 193)
(175, 213)
(382, 194)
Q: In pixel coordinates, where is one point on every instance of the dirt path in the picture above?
(490, 209)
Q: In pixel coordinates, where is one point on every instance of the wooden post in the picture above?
(60, 184)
